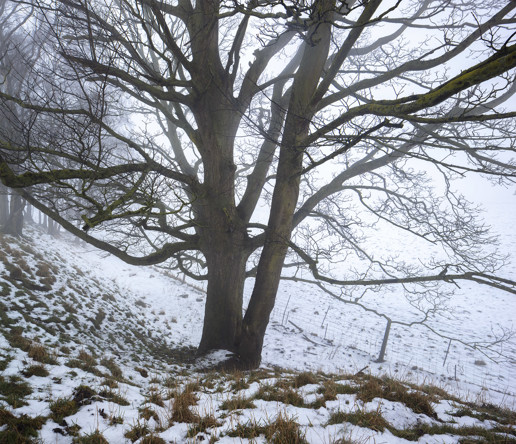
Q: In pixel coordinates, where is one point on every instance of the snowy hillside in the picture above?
(93, 350)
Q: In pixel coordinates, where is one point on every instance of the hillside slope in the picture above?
(92, 352)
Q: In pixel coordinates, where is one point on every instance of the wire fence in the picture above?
(416, 348)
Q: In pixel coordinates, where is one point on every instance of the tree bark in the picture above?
(223, 310)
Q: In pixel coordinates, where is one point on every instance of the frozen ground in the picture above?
(148, 323)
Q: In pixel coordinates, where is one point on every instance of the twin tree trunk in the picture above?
(224, 234)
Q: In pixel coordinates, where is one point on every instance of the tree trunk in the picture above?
(28, 214)
(14, 224)
(286, 191)
(224, 299)
(4, 205)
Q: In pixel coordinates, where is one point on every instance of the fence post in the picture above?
(384, 343)
(446, 356)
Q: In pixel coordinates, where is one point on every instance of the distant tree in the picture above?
(4, 205)
(255, 139)
(17, 59)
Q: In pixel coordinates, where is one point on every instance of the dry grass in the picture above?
(40, 353)
(305, 378)
(281, 392)
(137, 431)
(237, 403)
(371, 420)
(113, 367)
(283, 430)
(201, 424)
(181, 409)
(19, 429)
(61, 408)
(35, 370)
(395, 391)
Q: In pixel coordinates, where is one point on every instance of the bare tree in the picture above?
(171, 128)
(17, 58)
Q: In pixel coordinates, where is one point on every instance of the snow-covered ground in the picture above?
(149, 322)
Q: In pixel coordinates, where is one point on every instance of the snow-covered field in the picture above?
(148, 323)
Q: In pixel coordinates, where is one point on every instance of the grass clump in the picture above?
(237, 403)
(371, 420)
(152, 439)
(147, 413)
(112, 396)
(280, 393)
(40, 353)
(62, 408)
(488, 412)
(137, 431)
(13, 390)
(92, 438)
(330, 389)
(35, 370)
(283, 430)
(395, 391)
(4, 362)
(471, 434)
(113, 367)
(83, 395)
(155, 397)
(239, 382)
(18, 429)
(201, 424)
(84, 361)
(304, 378)
(181, 409)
